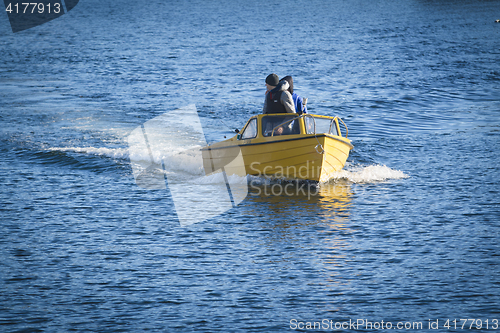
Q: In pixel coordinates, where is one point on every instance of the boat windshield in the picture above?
(250, 130)
(323, 125)
(281, 125)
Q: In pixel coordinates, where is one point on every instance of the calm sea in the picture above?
(406, 234)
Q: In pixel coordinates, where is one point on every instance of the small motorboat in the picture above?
(284, 146)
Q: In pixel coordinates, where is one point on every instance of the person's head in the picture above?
(272, 81)
(289, 79)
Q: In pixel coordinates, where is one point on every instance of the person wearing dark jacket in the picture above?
(278, 98)
(299, 102)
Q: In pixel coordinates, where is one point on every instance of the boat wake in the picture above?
(177, 160)
(183, 161)
(366, 174)
(115, 153)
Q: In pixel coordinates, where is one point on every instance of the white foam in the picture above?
(368, 174)
(177, 160)
(118, 153)
(180, 159)
(172, 140)
(218, 178)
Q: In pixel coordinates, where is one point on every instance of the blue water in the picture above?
(407, 233)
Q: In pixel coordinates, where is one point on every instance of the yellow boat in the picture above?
(289, 146)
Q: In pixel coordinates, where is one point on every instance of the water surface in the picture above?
(407, 232)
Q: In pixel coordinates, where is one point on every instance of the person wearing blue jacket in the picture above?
(299, 102)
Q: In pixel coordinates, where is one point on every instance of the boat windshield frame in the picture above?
(284, 123)
(271, 132)
(335, 123)
(332, 122)
(247, 127)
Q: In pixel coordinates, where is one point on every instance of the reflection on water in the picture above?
(289, 207)
(335, 198)
(328, 201)
(337, 238)
(306, 218)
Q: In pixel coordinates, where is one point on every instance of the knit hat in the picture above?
(272, 79)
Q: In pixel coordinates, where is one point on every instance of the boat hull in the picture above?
(303, 157)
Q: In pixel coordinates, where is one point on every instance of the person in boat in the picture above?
(299, 102)
(278, 98)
